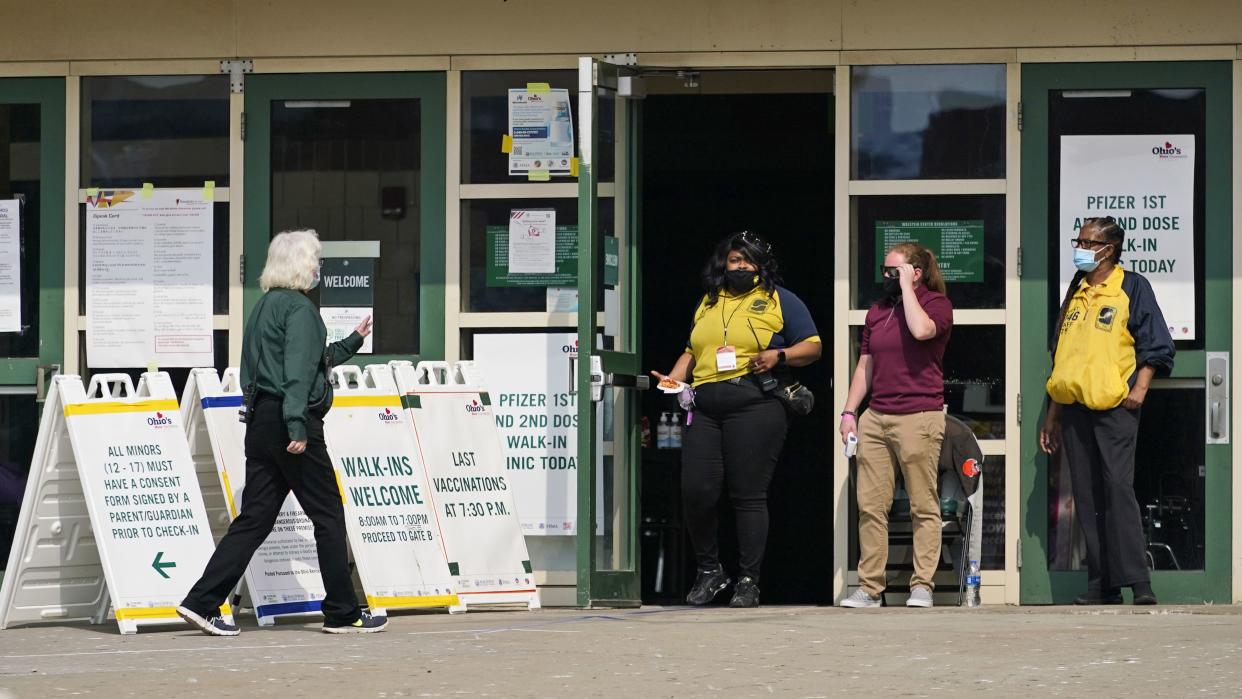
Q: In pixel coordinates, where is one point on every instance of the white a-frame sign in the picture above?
(113, 515)
(282, 578)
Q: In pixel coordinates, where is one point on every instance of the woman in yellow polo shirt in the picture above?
(1111, 341)
(747, 331)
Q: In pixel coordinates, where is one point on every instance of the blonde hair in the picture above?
(292, 259)
(924, 259)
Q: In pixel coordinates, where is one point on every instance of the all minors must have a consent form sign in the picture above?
(1148, 184)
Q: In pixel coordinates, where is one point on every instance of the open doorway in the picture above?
(725, 151)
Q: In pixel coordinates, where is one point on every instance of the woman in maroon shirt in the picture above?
(900, 364)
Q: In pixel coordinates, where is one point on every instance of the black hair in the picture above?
(756, 250)
(1114, 234)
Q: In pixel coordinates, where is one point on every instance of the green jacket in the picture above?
(286, 336)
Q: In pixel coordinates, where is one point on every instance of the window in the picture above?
(927, 122)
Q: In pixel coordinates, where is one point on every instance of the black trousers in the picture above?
(1099, 445)
(271, 472)
(733, 442)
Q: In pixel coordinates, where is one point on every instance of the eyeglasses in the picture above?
(891, 272)
(1088, 244)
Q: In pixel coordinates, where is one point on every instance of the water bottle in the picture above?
(663, 432)
(674, 432)
(972, 585)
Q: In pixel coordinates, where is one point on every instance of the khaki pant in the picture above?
(886, 443)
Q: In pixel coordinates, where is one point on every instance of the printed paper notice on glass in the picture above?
(10, 266)
(149, 279)
(532, 241)
(340, 322)
(542, 128)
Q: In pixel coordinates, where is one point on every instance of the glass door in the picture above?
(359, 158)
(608, 366)
(1150, 144)
(32, 272)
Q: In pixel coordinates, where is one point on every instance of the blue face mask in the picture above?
(1085, 260)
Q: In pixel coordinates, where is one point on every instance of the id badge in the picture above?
(726, 358)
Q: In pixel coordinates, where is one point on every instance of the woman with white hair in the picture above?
(286, 392)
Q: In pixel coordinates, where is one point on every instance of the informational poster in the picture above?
(141, 489)
(455, 427)
(282, 577)
(957, 245)
(10, 266)
(149, 278)
(347, 288)
(532, 241)
(528, 377)
(541, 126)
(1148, 184)
(394, 530)
(565, 259)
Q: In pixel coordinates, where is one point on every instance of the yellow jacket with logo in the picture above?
(750, 323)
(1108, 331)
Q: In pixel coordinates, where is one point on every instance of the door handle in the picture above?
(1215, 419)
(1218, 398)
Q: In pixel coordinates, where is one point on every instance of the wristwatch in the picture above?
(780, 356)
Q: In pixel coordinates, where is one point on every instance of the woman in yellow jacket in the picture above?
(1112, 341)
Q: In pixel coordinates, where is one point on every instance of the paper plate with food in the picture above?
(669, 385)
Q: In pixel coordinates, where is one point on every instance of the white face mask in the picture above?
(315, 279)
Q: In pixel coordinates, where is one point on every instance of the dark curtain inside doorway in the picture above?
(713, 165)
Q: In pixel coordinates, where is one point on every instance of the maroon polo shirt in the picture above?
(907, 375)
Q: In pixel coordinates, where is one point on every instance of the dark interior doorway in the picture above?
(739, 151)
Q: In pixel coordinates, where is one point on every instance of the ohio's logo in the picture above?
(571, 350)
(388, 416)
(475, 408)
(160, 420)
(1168, 150)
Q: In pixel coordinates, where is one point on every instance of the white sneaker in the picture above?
(920, 596)
(861, 600)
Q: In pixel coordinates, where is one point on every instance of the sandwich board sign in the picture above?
(455, 427)
(394, 531)
(112, 514)
(282, 578)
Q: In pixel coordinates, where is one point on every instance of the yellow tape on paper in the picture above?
(92, 192)
(538, 176)
(147, 190)
(506, 144)
(209, 190)
(573, 167)
(537, 88)
(142, 406)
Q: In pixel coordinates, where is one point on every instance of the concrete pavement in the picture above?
(657, 652)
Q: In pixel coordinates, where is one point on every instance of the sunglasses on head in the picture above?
(755, 241)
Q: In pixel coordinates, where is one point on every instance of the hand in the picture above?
(665, 377)
(905, 273)
(1050, 434)
(849, 426)
(296, 447)
(764, 361)
(1134, 401)
(364, 328)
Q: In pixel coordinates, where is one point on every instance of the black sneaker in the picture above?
(366, 623)
(707, 586)
(212, 626)
(746, 594)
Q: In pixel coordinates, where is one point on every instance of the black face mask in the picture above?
(739, 281)
(892, 287)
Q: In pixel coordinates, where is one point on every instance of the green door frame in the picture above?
(430, 90)
(597, 587)
(1038, 585)
(49, 94)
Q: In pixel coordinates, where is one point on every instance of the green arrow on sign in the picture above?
(159, 566)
